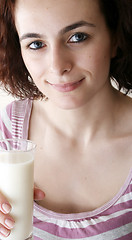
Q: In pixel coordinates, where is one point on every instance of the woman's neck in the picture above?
(95, 118)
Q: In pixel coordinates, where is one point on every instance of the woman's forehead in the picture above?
(74, 7)
(56, 11)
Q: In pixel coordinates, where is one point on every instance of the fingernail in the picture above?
(6, 207)
(9, 223)
(4, 231)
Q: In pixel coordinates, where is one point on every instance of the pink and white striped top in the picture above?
(109, 222)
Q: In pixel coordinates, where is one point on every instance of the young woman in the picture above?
(58, 57)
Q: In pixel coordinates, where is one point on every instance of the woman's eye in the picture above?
(36, 45)
(78, 37)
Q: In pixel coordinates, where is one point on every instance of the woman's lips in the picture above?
(67, 87)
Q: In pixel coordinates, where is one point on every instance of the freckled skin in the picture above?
(50, 63)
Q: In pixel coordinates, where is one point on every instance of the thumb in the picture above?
(38, 194)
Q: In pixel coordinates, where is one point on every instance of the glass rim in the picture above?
(33, 145)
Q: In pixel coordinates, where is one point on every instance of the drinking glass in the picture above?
(17, 182)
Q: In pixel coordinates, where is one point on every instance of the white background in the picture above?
(4, 99)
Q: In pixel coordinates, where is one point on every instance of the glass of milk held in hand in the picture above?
(16, 184)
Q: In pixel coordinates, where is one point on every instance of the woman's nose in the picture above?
(60, 61)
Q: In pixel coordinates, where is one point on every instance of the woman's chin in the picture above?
(68, 104)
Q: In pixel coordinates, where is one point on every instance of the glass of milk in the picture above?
(17, 183)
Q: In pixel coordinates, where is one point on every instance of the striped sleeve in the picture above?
(6, 122)
(14, 119)
(20, 118)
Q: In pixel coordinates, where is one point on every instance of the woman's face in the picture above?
(66, 47)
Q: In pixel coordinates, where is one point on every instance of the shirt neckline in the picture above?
(89, 214)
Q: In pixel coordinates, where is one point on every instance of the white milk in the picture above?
(16, 183)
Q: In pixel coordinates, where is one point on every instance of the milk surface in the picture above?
(16, 183)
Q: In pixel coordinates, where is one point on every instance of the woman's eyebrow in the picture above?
(76, 25)
(30, 35)
(61, 32)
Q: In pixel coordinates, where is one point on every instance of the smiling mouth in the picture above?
(67, 87)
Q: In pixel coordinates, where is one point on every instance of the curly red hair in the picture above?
(15, 76)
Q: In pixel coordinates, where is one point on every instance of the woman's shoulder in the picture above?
(12, 115)
(15, 107)
(21, 107)
(127, 108)
(124, 113)
(5, 121)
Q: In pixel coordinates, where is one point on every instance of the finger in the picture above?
(5, 206)
(4, 232)
(6, 221)
(38, 194)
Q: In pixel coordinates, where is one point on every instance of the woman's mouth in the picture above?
(67, 87)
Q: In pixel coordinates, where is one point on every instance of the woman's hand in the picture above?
(6, 221)
(38, 194)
